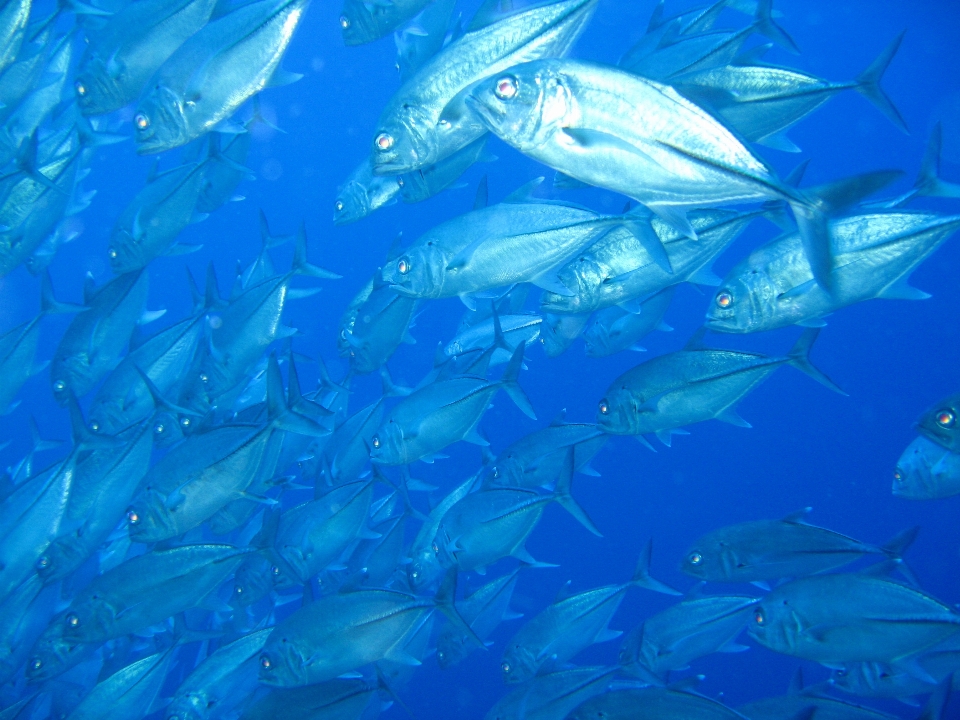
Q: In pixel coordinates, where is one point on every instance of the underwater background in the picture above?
(807, 446)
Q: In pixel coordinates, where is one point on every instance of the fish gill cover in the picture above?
(358, 360)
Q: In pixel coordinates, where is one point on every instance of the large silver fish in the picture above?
(873, 256)
(426, 121)
(762, 550)
(214, 72)
(608, 128)
(846, 618)
(926, 471)
(363, 192)
(570, 625)
(122, 56)
(614, 329)
(124, 694)
(693, 385)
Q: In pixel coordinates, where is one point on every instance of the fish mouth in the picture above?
(487, 114)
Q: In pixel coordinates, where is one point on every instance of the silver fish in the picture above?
(926, 471)
(614, 330)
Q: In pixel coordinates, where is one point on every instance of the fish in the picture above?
(422, 184)
(224, 167)
(873, 257)
(485, 526)
(582, 119)
(519, 240)
(121, 57)
(14, 17)
(336, 634)
(558, 332)
(762, 550)
(515, 329)
(697, 626)
(221, 681)
(552, 695)
(926, 471)
(692, 385)
(939, 423)
(104, 482)
(362, 23)
(208, 470)
(423, 37)
(18, 347)
(336, 698)
(364, 192)
(24, 616)
(800, 699)
(91, 346)
(382, 324)
(22, 74)
(124, 694)
(442, 413)
(614, 329)
(571, 624)
(536, 460)
(843, 618)
(483, 610)
(762, 101)
(619, 270)
(652, 703)
(148, 227)
(188, 95)
(426, 121)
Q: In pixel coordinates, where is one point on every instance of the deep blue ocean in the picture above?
(807, 446)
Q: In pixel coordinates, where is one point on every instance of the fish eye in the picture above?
(384, 141)
(399, 181)
(338, 205)
(73, 620)
(238, 590)
(158, 428)
(80, 88)
(403, 266)
(506, 88)
(416, 572)
(724, 299)
(59, 386)
(265, 662)
(43, 563)
(946, 419)
(376, 442)
(204, 377)
(95, 426)
(344, 22)
(506, 668)
(133, 517)
(185, 422)
(496, 473)
(141, 121)
(436, 548)
(759, 617)
(898, 475)
(695, 558)
(604, 407)
(440, 655)
(112, 252)
(275, 570)
(36, 663)
(841, 672)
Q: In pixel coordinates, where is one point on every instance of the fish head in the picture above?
(597, 339)
(422, 569)
(557, 332)
(619, 411)
(386, 446)
(88, 619)
(418, 272)
(254, 579)
(406, 140)
(191, 706)
(60, 383)
(585, 278)
(126, 252)
(507, 471)
(452, 647)
(743, 303)
(53, 655)
(352, 203)
(941, 423)
(282, 662)
(150, 518)
(159, 122)
(61, 557)
(358, 23)
(518, 664)
(95, 87)
(915, 475)
(775, 625)
(525, 105)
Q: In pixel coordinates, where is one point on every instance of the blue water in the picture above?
(807, 447)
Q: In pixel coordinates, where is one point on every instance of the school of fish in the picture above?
(220, 542)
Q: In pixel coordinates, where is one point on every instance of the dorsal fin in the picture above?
(696, 340)
(524, 193)
(796, 518)
(481, 198)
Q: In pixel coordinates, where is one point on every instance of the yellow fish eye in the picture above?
(759, 617)
(265, 662)
(133, 517)
(695, 558)
(384, 141)
(724, 299)
(141, 121)
(946, 419)
(506, 88)
(81, 88)
(403, 267)
(604, 407)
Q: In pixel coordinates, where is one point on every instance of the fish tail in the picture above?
(498, 340)
(928, 182)
(813, 207)
(868, 84)
(300, 264)
(385, 686)
(445, 598)
(641, 575)
(48, 302)
(565, 499)
(768, 27)
(799, 357)
(512, 387)
(895, 548)
(387, 386)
